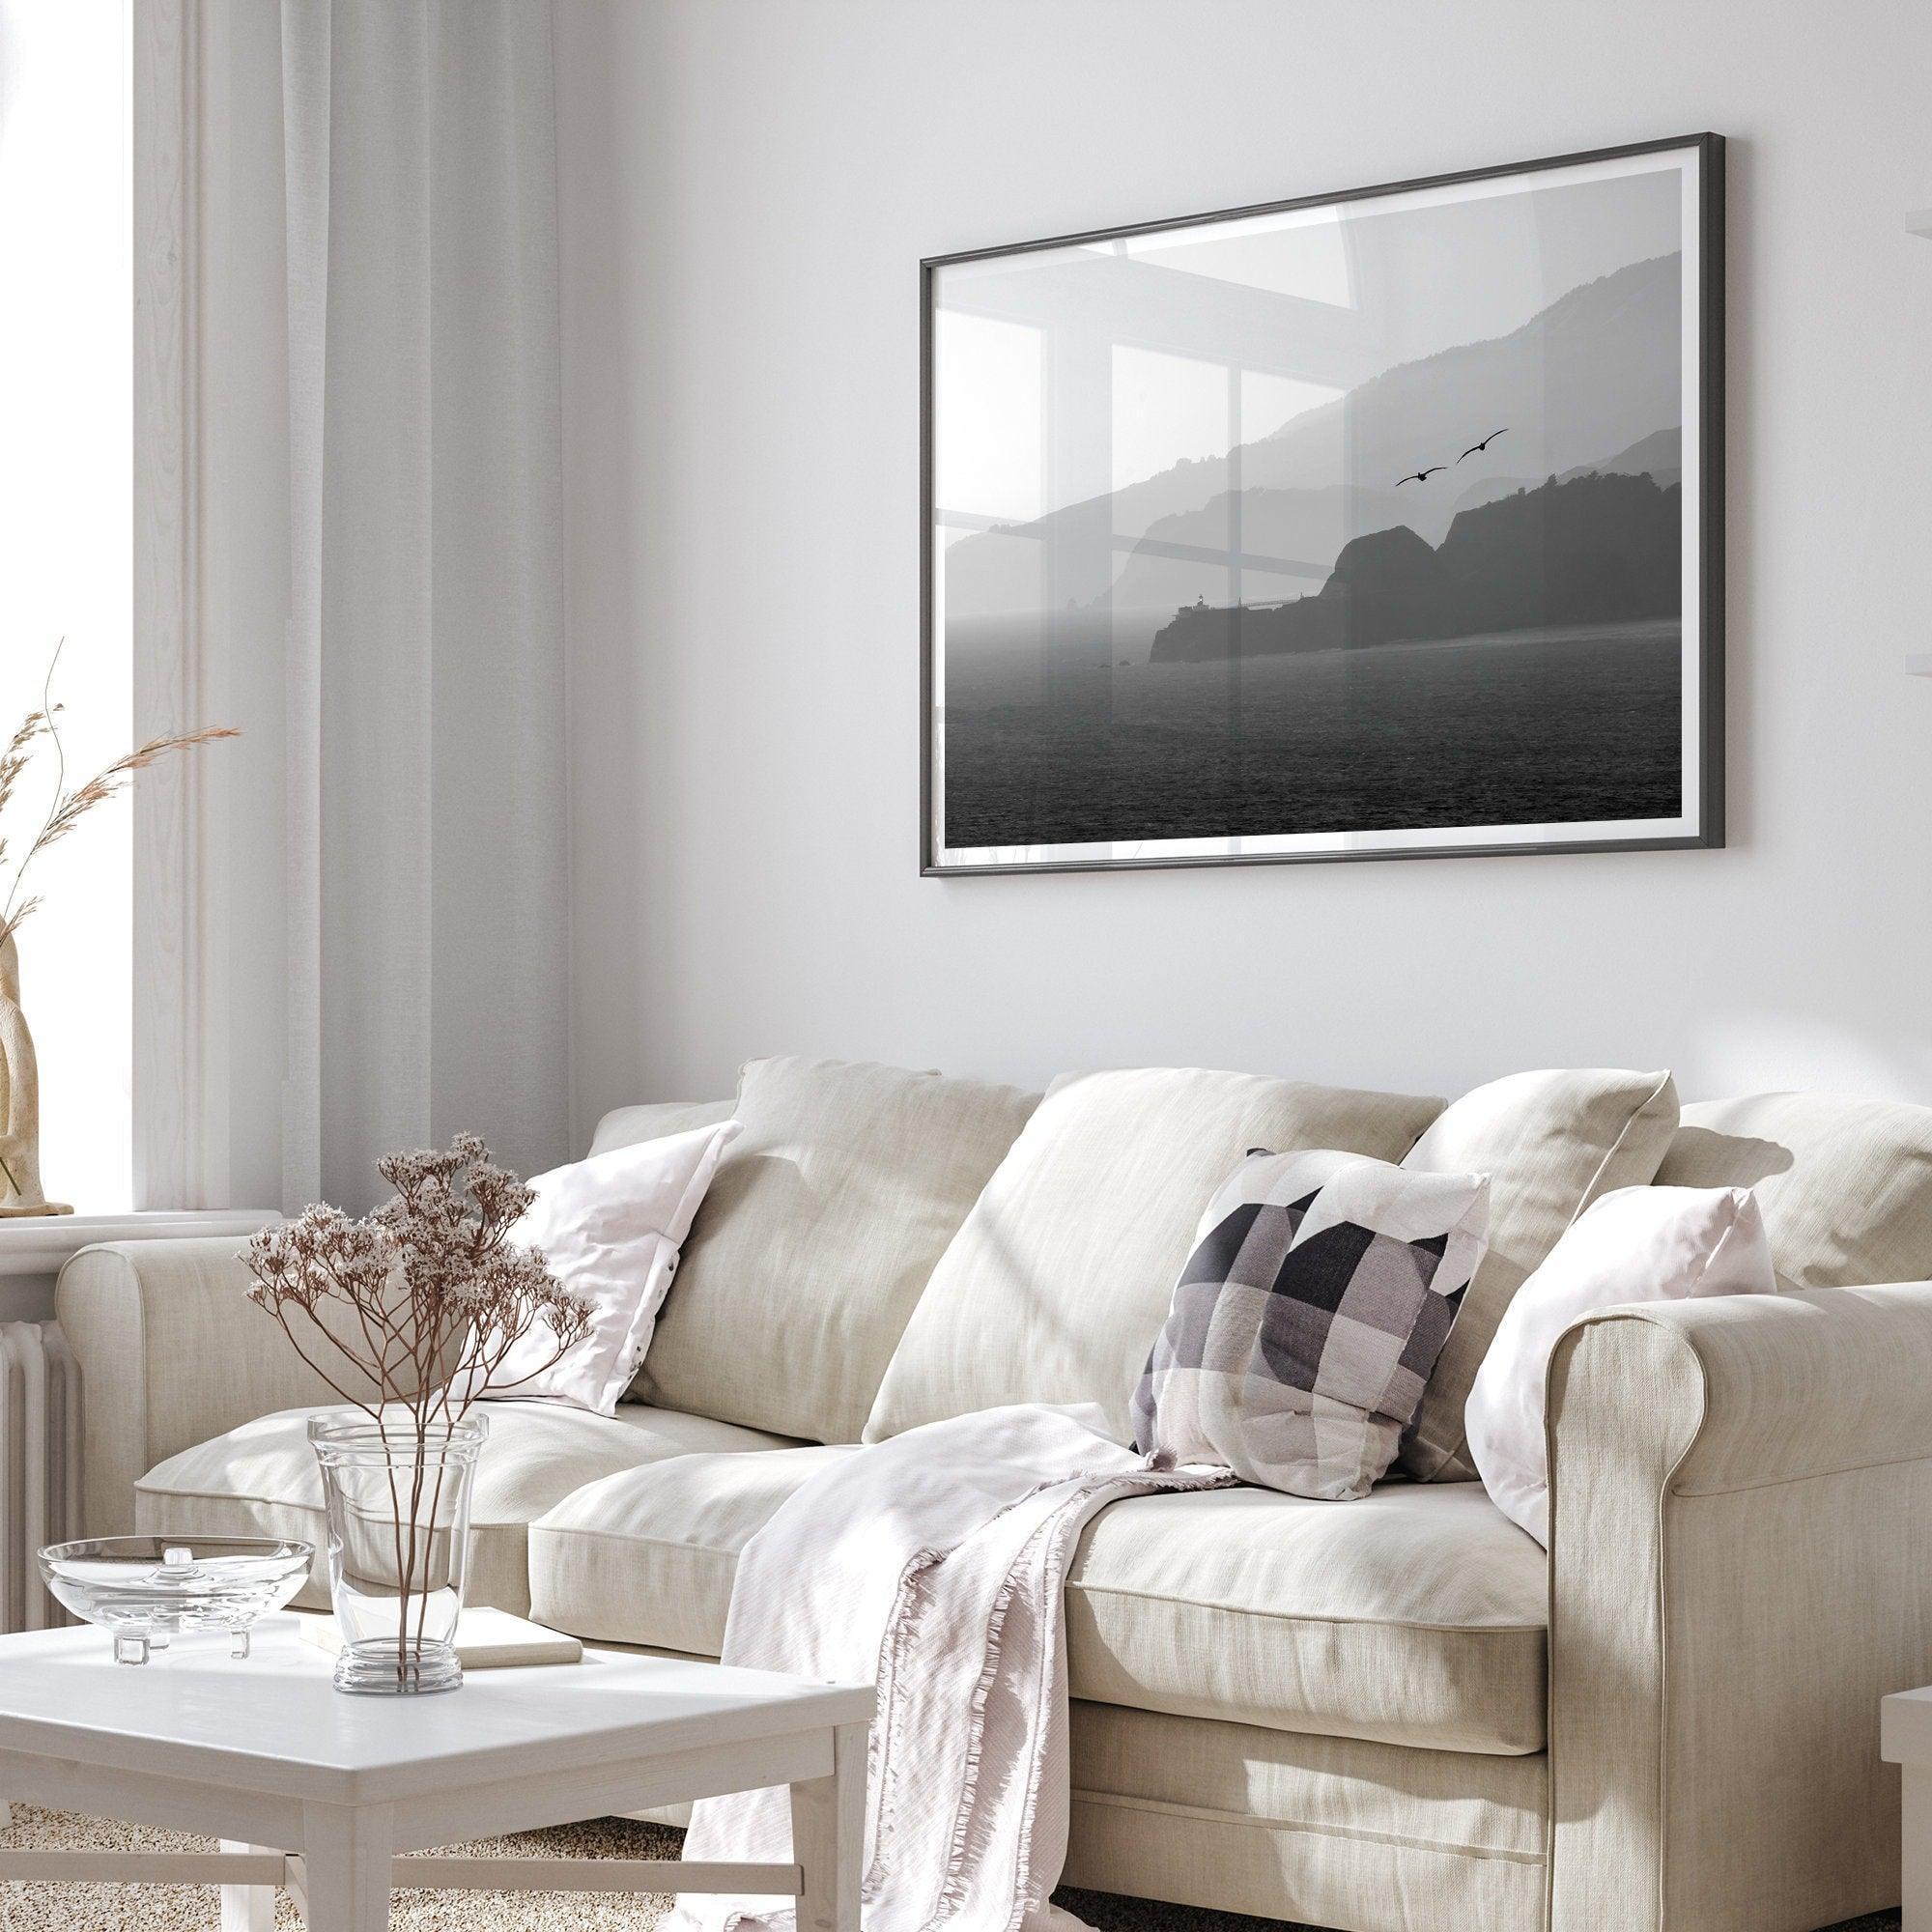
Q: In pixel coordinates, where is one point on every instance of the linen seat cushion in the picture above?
(1290, 1827)
(1415, 1616)
(815, 1239)
(261, 1479)
(1844, 1183)
(1552, 1143)
(1058, 1283)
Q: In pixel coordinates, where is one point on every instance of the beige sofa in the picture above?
(1396, 1714)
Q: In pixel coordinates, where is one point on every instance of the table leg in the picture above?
(246, 1907)
(828, 1834)
(1915, 1850)
(346, 1854)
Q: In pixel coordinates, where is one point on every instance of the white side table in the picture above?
(318, 1792)
(1905, 1739)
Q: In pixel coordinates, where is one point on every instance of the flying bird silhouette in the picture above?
(1420, 477)
(1476, 447)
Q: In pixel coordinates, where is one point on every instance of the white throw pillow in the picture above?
(1552, 1143)
(1638, 1244)
(611, 1227)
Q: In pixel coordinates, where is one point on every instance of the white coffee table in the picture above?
(320, 1792)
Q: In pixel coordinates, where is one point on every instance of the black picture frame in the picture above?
(1709, 525)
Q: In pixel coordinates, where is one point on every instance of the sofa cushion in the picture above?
(1058, 1283)
(1306, 1321)
(261, 1480)
(626, 1126)
(1638, 1244)
(1552, 1143)
(610, 1227)
(1844, 1184)
(620, 1561)
(1414, 1616)
(1289, 1827)
(816, 1238)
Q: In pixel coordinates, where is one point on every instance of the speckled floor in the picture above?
(109, 1908)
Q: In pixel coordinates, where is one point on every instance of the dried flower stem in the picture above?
(433, 1295)
(66, 809)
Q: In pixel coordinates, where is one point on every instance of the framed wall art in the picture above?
(1376, 525)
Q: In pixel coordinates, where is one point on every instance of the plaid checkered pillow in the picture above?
(1305, 1323)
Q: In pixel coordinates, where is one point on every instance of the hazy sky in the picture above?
(1426, 279)
(1300, 306)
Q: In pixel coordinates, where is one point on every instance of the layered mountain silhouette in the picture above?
(1597, 370)
(1659, 456)
(1595, 548)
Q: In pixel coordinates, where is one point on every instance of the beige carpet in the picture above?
(113, 1908)
(193, 1908)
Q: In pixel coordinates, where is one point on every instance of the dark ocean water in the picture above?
(1536, 727)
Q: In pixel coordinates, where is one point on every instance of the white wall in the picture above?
(747, 187)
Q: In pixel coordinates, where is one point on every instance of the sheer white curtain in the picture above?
(426, 910)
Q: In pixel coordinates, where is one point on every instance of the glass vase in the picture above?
(397, 1495)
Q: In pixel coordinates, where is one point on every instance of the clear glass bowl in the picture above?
(145, 1590)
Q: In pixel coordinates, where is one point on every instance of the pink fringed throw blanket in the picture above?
(933, 1563)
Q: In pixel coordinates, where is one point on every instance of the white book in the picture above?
(485, 1640)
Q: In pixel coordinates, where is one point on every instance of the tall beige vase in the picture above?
(19, 1100)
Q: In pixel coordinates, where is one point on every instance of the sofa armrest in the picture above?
(170, 1352)
(1741, 1567)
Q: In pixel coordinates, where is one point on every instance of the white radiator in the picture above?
(40, 1466)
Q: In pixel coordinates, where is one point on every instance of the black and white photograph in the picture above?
(1379, 525)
